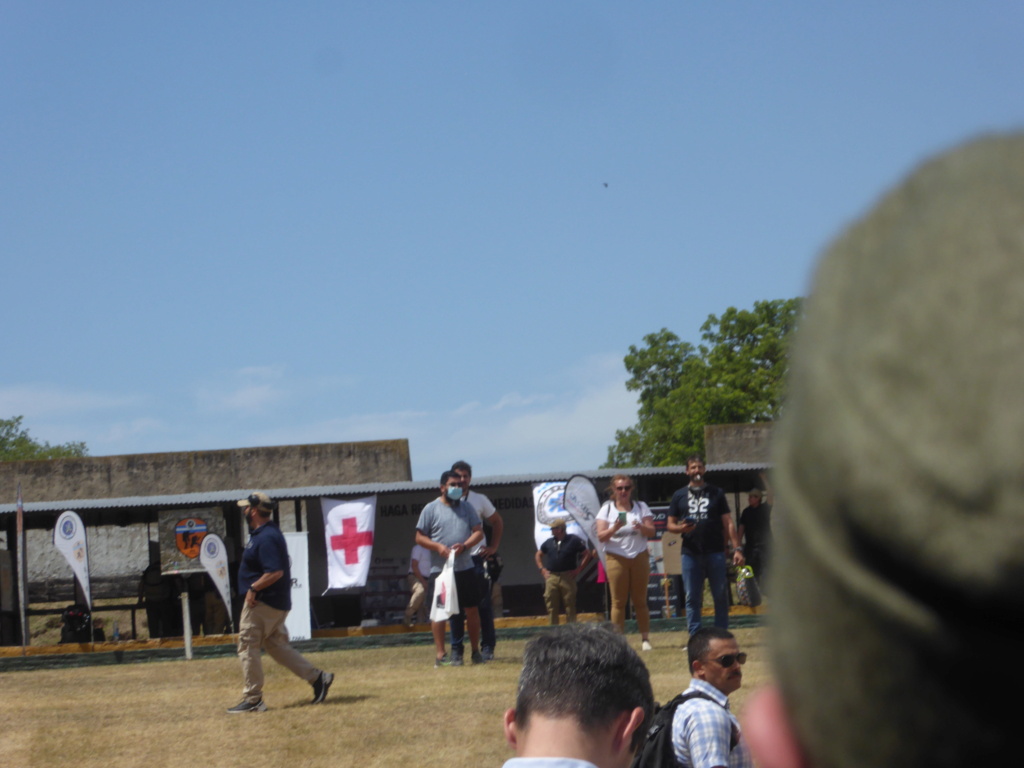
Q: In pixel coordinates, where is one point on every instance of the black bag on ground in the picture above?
(75, 624)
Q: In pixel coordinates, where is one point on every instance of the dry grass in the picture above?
(387, 707)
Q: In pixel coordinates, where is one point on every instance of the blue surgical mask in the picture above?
(455, 493)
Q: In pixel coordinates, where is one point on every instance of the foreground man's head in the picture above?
(583, 694)
(900, 558)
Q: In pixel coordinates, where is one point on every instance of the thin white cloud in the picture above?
(33, 401)
(467, 408)
(517, 433)
(571, 431)
(516, 400)
(132, 430)
(262, 371)
(247, 390)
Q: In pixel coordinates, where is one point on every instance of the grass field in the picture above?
(388, 707)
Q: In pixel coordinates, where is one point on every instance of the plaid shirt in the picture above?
(702, 732)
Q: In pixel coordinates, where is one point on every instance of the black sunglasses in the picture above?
(731, 658)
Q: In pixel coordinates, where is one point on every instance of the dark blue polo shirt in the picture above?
(565, 556)
(267, 552)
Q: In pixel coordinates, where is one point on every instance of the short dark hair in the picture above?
(462, 466)
(694, 457)
(445, 476)
(700, 641)
(584, 671)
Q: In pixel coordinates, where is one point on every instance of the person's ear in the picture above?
(511, 734)
(624, 727)
(769, 733)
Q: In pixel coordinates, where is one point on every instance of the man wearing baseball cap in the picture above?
(561, 559)
(264, 581)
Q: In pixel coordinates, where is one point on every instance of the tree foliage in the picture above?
(734, 376)
(16, 445)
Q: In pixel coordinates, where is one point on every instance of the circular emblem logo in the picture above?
(67, 528)
(549, 505)
(188, 535)
(211, 547)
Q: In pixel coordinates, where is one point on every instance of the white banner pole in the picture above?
(186, 622)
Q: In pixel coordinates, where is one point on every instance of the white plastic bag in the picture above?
(446, 597)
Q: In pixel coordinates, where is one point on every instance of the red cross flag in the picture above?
(348, 527)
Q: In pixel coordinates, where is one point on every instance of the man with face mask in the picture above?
(264, 582)
(448, 525)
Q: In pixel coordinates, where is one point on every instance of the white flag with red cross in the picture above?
(348, 528)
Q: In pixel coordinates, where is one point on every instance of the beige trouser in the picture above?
(627, 578)
(418, 594)
(560, 590)
(263, 627)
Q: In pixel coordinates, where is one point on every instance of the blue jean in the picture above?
(695, 569)
(458, 621)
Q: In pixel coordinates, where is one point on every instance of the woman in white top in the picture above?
(624, 526)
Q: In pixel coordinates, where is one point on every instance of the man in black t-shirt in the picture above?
(756, 528)
(700, 514)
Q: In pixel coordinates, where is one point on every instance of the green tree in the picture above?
(734, 376)
(16, 445)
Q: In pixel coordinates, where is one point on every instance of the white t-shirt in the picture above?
(484, 508)
(420, 556)
(627, 541)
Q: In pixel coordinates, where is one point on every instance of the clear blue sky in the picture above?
(238, 224)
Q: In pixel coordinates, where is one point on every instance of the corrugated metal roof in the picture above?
(207, 498)
(740, 466)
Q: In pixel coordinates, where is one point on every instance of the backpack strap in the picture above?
(657, 750)
(682, 698)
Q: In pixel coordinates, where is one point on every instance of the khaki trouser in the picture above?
(627, 577)
(560, 590)
(263, 627)
(417, 594)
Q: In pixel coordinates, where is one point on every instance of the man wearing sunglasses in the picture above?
(705, 734)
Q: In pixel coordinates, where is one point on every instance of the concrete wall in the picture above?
(117, 557)
(748, 443)
(149, 474)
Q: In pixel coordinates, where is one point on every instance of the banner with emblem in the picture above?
(70, 540)
(548, 506)
(582, 502)
(182, 532)
(348, 530)
(214, 558)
